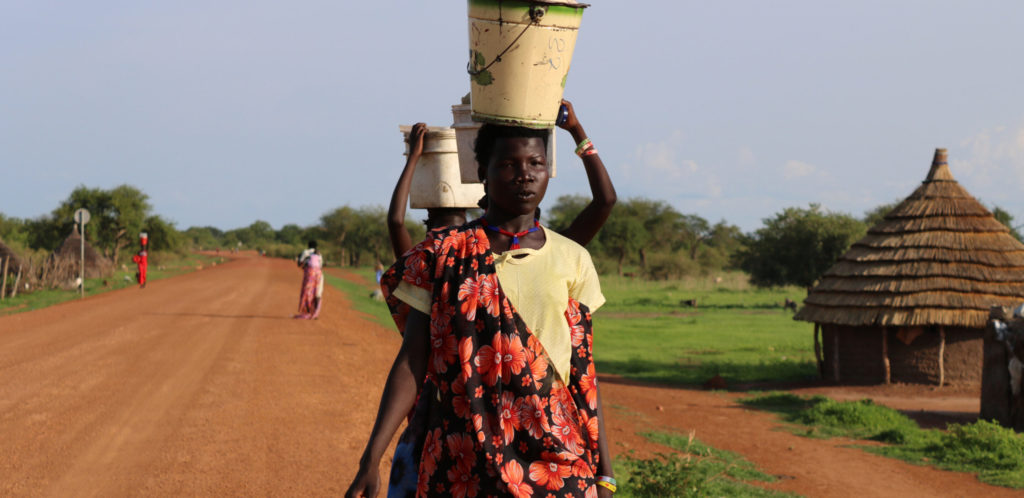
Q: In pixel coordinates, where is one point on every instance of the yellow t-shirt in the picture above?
(539, 286)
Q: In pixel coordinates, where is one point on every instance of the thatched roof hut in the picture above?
(909, 301)
(8, 256)
(66, 259)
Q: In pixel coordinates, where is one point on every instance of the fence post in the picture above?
(887, 369)
(5, 262)
(17, 280)
(942, 353)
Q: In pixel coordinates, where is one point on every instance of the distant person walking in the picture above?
(141, 259)
(312, 292)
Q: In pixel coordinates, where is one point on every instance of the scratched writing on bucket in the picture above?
(558, 45)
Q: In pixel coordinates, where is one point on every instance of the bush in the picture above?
(670, 266)
(699, 470)
(994, 452)
(981, 445)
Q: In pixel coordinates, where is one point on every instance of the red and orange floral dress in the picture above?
(494, 417)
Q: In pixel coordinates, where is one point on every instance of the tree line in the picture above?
(642, 237)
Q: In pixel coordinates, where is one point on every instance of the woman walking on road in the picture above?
(497, 348)
(312, 291)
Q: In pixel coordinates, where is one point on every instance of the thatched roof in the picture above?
(8, 254)
(938, 258)
(70, 252)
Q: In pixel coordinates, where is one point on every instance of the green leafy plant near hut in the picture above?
(994, 453)
(692, 469)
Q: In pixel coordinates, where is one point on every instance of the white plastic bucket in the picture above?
(465, 135)
(437, 182)
(519, 57)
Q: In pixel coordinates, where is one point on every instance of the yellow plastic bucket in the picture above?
(519, 57)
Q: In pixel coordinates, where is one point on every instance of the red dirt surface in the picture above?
(202, 385)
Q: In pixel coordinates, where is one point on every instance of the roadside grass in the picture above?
(741, 333)
(692, 469)
(359, 295)
(994, 453)
(172, 266)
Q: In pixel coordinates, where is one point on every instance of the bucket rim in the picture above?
(563, 3)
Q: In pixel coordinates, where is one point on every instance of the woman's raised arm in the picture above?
(400, 239)
(592, 218)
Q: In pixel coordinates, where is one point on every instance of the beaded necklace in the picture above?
(515, 236)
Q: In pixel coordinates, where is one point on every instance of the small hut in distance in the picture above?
(8, 256)
(909, 302)
(66, 260)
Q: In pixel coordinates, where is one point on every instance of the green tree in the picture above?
(13, 231)
(1003, 216)
(116, 218)
(163, 236)
(798, 245)
(875, 215)
(622, 237)
(560, 216)
(369, 235)
(204, 238)
(290, 234)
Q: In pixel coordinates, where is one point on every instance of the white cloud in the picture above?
(993, 158)
(797, 169)
(660, 170)
(745, 156)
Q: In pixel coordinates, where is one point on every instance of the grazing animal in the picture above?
(716, 383)
(789, 305)
(688, 302)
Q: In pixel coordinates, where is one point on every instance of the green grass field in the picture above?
(644, 333)
(172, 266)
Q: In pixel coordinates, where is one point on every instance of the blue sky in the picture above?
(231, 111)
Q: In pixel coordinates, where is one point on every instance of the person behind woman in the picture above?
(312, 292)
(582, 230)
(436, 217)
(496, 351)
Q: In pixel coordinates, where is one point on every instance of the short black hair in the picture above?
(490, 133)
(312, 244)
(435, 216)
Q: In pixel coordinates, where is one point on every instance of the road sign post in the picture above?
(81, 218)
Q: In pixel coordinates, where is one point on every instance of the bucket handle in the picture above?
(535, 14)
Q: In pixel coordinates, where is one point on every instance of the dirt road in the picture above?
(203, 385)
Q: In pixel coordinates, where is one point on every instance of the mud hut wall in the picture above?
(964, 356)
(860, 353)
(861, 359)
(918, 362)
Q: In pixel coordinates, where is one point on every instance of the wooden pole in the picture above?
(817, 350)
(835, 354)
(17, 280)
(885, 355)
(5, 263)
(942, 353)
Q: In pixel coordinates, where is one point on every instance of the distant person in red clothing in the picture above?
(142, 260)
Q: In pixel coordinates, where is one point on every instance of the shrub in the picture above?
(669, 266)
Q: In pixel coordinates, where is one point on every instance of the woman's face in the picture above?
(517, 175)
